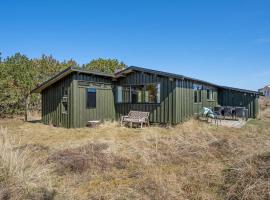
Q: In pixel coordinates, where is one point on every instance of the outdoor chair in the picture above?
(208, 113)
(240, 112)
(138, 117)
(246, 114)
(219, 110)
(228, 111)
(233, 113)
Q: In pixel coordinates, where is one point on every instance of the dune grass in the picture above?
(193, 160)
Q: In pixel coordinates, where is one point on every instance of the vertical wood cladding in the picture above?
(52, 103)
(105, 107)
(185, 106)
(159, 112)
(227, 97)
(77, 113)
(176, 99)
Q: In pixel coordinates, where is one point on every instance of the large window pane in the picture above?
(126, 94)
(158, 93)
(195, 96)
(151, 93)
(197, 93)
(64, 100)
(210, 94)
(119, 94)
(199, 96)
(136, 94)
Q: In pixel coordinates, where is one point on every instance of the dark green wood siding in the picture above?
(184, 100)
(92, 78)
(227, 97)
(78, 114)
(185, 107)
(162, 112)
(52, 103)
(105, 107)
(176, 99)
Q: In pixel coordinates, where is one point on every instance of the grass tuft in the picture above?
(193, 160)
(20, 175)
(249, 179)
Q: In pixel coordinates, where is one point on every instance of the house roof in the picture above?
(238, 89)
(63, 74)
(177, 76)
(172, 75)
(122, 73)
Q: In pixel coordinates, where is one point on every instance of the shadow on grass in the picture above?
(35, 121)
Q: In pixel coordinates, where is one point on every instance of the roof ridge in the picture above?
(193, 79)
(70, 69)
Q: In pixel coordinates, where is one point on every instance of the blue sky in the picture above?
(225, 42)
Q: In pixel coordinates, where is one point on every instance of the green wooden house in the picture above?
(74, 96)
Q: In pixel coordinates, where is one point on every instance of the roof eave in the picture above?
(177, 76)
(239, 89)
(52, 80)
(123, 73)
(64, 73)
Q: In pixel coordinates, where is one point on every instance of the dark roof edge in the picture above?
(64, 73)
(92, 72)
(239, 89)
(51, 80)
(178, 76)
(69, 70)
(183, 77)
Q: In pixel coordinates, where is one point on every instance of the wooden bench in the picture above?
(136, 117)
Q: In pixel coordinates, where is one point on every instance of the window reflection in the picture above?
(149, 93)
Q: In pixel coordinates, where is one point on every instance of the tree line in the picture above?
(20, 74)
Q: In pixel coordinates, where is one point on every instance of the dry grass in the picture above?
(80, 159)
(249, 179)
(264, 102)
(21, 176)
(193, 160)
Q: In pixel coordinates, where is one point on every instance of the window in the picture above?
(210, 94)
(152, 93)
(64, 107)
(126, 94)
(64, 92)
(158, 93)
(197, 93)
(91, 97)
(119, 94)
(195, 96)
(199, 98)
(64, 101)
(136, 94)
(149, 93)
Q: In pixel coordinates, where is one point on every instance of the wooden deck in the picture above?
(230, 123)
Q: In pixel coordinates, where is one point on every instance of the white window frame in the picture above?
(211, 94)
(197, 88)
(119, 94)
(158, 92)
